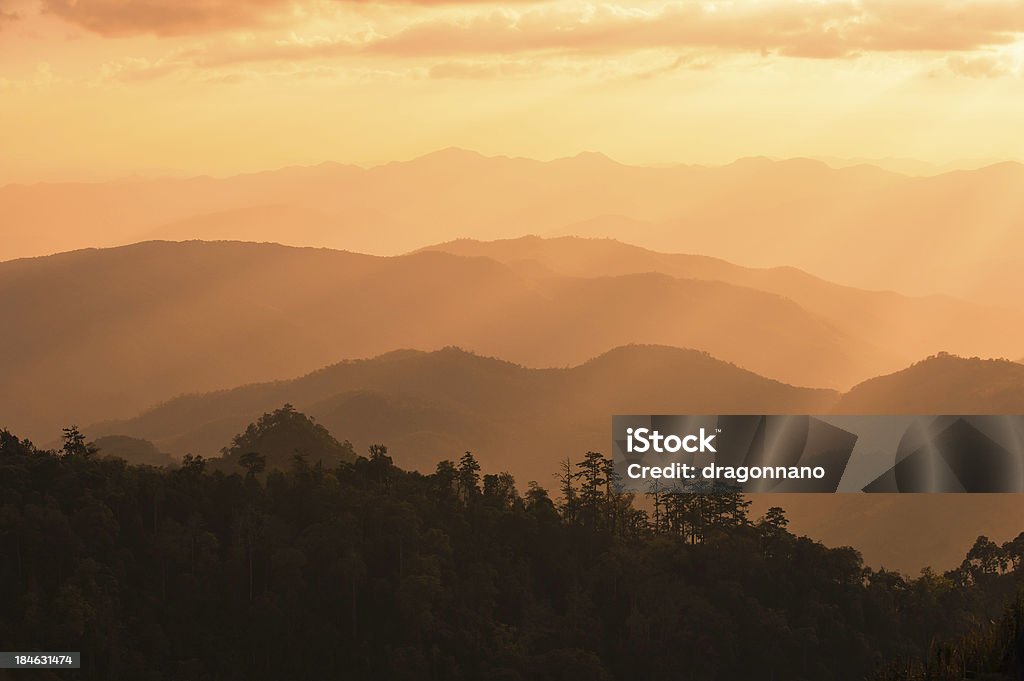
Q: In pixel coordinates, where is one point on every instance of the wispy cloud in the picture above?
(981, 66)
(815, 30)
(41, 78)
(139, 69)
(819, 29)
(117, 18)
(180, 17)
(510, 41)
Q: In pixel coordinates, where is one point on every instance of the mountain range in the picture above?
(432, 406)
(558, 334)
(859, 225)
(104, 333)
(905, 327)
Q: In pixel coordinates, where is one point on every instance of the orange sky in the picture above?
(97, 88)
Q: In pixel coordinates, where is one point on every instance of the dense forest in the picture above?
(293, 558)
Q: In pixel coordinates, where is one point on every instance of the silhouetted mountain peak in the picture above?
(645, 353)
(589, 159)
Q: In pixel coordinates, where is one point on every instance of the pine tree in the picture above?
(591, 483)
(468, 477)
(75, 444)
(570, 501)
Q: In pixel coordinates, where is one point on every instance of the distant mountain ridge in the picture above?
(911, 327)
(103, 332)
(100, 333)
(469, 390)
(859, 225)
(516, 417)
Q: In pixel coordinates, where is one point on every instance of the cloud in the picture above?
(117, 18)
(292, 48)
(814, 30)
(139, 69)
(809, 28)
(983, 66)
(164, 17)
(488, 41)
(42, 78)
(684, 61)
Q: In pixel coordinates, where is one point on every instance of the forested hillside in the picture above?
(518, 419)
(359, 569)
(941, 384)
(426, 405)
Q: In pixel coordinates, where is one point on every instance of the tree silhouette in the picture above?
(254, 463)
(468, 477)
(279, 435)
(75, 444)
(566, 485)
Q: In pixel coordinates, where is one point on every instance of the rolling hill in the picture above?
(104, 334)
(430, 406)
(100, 334)
(941, 384)
(133, 450)
(907, 327)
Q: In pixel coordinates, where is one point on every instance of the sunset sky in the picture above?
(97, 88)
